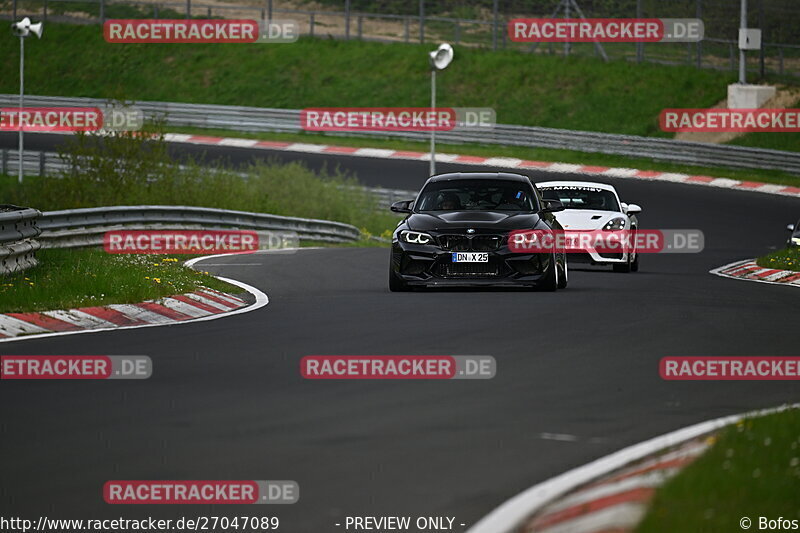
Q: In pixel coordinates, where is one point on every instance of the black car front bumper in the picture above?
(432, 265)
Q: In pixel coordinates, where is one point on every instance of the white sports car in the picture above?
(592, 206)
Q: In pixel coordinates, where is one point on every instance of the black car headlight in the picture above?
(415, 237)
(615, 224)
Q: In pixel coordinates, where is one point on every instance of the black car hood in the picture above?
(496, 221)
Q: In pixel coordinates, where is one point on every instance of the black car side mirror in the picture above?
(403, 206)
(552, 206)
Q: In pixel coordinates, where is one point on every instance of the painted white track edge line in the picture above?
(261, 301)
(718, 272)
(515, 511)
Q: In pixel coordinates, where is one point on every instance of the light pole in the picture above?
(742, 55)
(440, 58)
(22, 29)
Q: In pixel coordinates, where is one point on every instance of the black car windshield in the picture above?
(582, 197)
(477, 195)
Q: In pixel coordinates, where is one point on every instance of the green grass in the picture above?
(529, 89)
(752, 470)
(69, 278)
(786, 259)
(535, 154)
(288, 190)
(580, 93)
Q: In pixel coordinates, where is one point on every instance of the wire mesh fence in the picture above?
(479, 23)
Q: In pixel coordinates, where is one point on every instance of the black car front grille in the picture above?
(470, 243)
(471, 270)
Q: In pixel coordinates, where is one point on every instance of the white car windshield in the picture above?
(582, 197)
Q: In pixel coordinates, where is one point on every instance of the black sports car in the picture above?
(456, 233)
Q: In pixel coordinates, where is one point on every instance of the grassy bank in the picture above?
(752, 470)
(786, 259)
(69, 278)
(530, 89)
(125, 170)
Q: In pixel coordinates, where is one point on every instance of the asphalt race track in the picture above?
(577, 374)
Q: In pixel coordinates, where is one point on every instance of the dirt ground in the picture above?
(785, 97)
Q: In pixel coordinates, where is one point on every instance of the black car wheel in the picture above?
(550, 282)
(563, 277)
(625, 267)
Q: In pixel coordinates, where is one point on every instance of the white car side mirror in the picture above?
(790, 227)
(633, 209)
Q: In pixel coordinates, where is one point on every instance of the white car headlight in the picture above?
(415, 237)
(615, 224)
(796, 240)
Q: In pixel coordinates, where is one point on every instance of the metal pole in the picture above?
(347, 19)
(188, 9)
(639, 46)
(433, 130)
(21, 101)
(742, 57)
(494, 27)
(269, 11)
(761, 60)
(566, 16)
(699, 50)
(421, 21)
(14, 14)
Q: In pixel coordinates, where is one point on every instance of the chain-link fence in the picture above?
(480, 23)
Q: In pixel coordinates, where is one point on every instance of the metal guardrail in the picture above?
(24, 230)
(256, 119)
(85, 227)
(18, 232)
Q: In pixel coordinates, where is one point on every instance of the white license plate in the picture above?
(470, 257)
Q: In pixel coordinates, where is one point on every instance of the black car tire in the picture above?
(624, 267)
(396, 284)
(635, 264)
(563, 278)
(550, 281)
